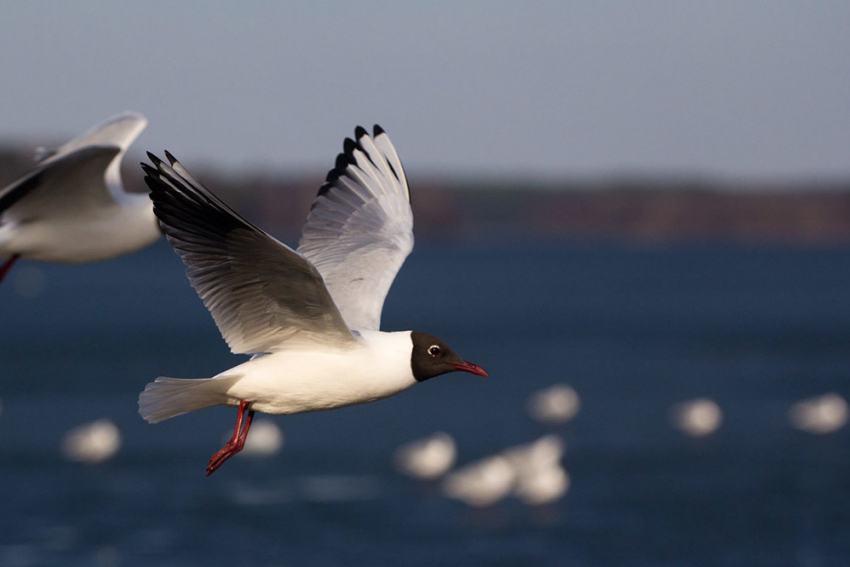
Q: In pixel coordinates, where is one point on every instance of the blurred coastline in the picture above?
(645, 209)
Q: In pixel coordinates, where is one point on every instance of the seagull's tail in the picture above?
(167, 397)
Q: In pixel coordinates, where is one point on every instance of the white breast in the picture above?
(85, 236)
(299, 380)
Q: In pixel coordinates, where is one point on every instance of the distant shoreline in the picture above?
(643, 209)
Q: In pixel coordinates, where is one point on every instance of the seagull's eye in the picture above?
(434, 350)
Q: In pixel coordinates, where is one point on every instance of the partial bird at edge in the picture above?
(72, 207)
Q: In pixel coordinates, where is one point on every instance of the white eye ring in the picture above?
(435, 350)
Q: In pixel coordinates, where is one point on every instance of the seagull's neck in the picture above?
(395, 342)
(388, 356)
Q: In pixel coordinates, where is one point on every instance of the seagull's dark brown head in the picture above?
(432, 357)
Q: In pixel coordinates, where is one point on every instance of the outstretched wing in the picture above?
(81, 174)
(360, 228)
(263, 295)
(120, 130)
(73, 181)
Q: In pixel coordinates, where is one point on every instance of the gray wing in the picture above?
(263, 295)
(70, 182)
(360, 228)
(120, 130)
(81, 174)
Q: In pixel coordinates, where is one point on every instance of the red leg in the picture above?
(237, 442)
(245, 428)
(7, 265)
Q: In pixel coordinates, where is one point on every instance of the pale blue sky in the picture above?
(731, 88)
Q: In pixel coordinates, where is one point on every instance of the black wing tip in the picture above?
(348, 147)
(154, 184)
(346, 158)
(325, 188)
(154, 160)
(335, 173)
(340, 165)
(158, 162)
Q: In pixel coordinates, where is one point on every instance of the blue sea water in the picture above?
(632, 329)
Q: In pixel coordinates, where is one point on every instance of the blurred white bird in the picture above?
(482, 483)
(698, 417)
(542, 485)
(91, 443)
(531, 472)
(72, 207)
(427, 458)
(820, 415)
(556, 404)
(541, 453)
(540, 478)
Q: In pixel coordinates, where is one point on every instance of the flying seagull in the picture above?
(72, 207)
(311, 317)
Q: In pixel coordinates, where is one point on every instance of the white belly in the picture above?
(105, 234)
(295, 382)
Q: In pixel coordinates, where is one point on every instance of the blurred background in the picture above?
(635, 216)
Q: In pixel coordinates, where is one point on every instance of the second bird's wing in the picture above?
(78, 177)
(71, 183)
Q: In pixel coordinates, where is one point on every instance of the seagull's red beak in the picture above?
(471, 368)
